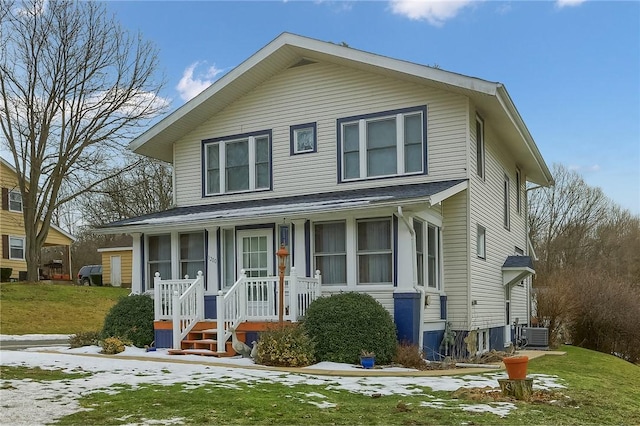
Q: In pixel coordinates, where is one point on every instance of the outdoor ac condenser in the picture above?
(537, 337)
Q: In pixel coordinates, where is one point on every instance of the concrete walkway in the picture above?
(355, 372)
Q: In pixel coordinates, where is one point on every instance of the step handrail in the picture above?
(231, 299)
(188, 309)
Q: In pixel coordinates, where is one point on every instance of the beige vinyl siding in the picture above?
(519, 298)
(455, 243)
(323, 93)
(487, 210)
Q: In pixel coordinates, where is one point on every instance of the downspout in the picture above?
(414, 268)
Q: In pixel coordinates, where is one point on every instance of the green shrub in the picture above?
(112, 346)
(410, 356)
(345, 324)
(285, 346)
(5, 274)
(85, 338)
(131, 318)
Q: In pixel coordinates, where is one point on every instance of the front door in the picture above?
(255, 256)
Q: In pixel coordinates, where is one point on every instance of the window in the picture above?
(418, 227)
(229, 259)
(382, 144)
(518, 192)
(237, 163)
(159, 257)
(374, 251)
(480, 163)
(433, 256)
(331, 252)
(191, 254)
(506, 207)
(303, 138)
(15, 201)
(16, 248)
(481, 242)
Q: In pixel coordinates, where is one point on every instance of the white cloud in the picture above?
(192, 82)
(436, 12)
(568, 3)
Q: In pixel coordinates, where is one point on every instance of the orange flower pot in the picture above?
(516, 367)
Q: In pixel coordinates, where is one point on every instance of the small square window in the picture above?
(303, 138)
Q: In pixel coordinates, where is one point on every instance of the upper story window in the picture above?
(303, 138)
(480, 157)
(506, 206)
(237, 163)
(518, 191)
(15, 201)
(390, 143)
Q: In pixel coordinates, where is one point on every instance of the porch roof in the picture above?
(516, 269)
(293, 207)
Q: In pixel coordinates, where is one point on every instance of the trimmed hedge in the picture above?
(131, 319)
(345, 324)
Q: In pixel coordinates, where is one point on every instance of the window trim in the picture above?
(293, 140)
(518, 191)
(506, 190)
(11, 192)
(389, 251)
(182, 261)
(481, 251)
(362, 120)
(420, 254)
(325, 254)
(222, 141)
(481, 161)
(12, 247)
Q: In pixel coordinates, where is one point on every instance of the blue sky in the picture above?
(572, 67)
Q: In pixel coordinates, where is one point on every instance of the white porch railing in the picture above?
(256, 299)
(249, 299)
(181, 301)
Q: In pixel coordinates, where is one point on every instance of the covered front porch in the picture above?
(182, 306)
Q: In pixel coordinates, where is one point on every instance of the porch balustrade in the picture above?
(249, 299)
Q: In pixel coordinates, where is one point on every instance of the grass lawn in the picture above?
(600, 389)
(37, 308)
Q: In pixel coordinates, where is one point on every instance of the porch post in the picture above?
(293, 295)
(136, 263)
(200, 296)
(157, 298)
(176, 320)
(220, 322)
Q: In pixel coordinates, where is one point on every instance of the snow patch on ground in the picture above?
(29, 402)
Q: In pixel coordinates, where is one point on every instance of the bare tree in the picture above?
(146, 188)
(74, 88)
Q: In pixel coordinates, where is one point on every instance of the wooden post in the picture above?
(519, 388)
(282, 258)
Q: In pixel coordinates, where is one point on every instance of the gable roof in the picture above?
(293, 207)
(287, 50)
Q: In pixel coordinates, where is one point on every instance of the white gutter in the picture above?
(414, 267)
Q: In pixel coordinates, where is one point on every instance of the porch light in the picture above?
(282, 254)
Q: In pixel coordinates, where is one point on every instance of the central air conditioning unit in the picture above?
(537, 337)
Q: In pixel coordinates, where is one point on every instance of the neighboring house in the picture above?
(12, 229)
(399, 180)
(116, 266)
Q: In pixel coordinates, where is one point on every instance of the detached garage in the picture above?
(116, 266)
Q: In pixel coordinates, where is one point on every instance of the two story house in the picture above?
(377, 175)
(12, 230)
